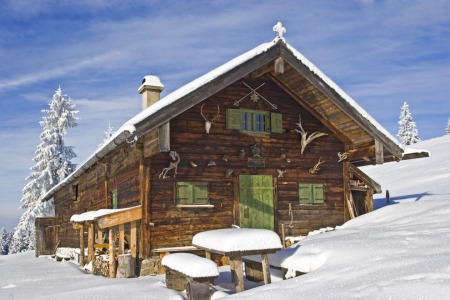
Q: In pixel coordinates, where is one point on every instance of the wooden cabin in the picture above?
(247, 170)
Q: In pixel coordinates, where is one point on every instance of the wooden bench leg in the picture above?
(266, 268)
(196, 290)
(175, 281)
(238, 274)
(254, 272)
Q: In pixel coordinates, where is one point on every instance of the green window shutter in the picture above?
(114, 199)
(305, 195)
(319, 193)
(277, 123)
(184, 193)
(201, 193)
(233, 119)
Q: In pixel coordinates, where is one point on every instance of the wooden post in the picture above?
(106, 186)
(144, 190)
(239, 274)
(161, 255)
(91, 242)
(112, 256)
(81, 245)
(275, 204)
(233, 273)
(121, 239)
(284, 239)
(346, 179)
(266, 268)
(379, 156)
(133, 238)
(207, 255)
(387, 197)
(99, 236)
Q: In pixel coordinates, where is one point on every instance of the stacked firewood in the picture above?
(101, 266)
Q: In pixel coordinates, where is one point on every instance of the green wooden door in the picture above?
(256, 201)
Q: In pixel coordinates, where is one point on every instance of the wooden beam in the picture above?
(81, 226)
(337, 99)
(164, 137)
(120, 217)
(379, 152)
(144, 191)
(311, 110)
(360, 153)
(106, 186)
(266, 268)
(267, 68)
(91, 242)
(112, 256)
(279, 65)
(133, 241)
(121, 239)
(363, 176)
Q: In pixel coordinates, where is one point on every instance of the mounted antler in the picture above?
(316, 167)
(208, 123)
(305, 141)
(342, 156)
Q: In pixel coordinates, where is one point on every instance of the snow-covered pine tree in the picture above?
(448, 126)
(3, 242)
(108, 133)
(53, 164)
(407, 133)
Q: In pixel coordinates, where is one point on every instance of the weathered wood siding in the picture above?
(122, 174)
(176, 226)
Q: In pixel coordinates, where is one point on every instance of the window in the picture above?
(114, 199)
(254, 121)
(311, 193)
(192, 193)
(75, 196)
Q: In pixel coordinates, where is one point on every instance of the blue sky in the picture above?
(381, 53)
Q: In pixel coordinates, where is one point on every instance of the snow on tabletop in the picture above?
(95, 214)
(190, 265)
(233, 240)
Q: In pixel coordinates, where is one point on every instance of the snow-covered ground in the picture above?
(399, 251)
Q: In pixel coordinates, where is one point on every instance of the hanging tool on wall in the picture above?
(292, 216)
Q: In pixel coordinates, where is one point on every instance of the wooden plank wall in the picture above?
(176, 227)
(123, 175)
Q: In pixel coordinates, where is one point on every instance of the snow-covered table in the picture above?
(235, 243)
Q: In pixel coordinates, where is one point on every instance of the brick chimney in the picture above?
(150, 89)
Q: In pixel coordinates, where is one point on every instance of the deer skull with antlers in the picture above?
(208, 123)
(305, 141)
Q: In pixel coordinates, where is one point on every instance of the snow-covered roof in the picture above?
(96, 214)
(130, 126)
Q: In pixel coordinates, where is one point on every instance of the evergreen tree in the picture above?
(53, 164)
(407, 133)
(448, 126)
(108, 133)
(3, 242)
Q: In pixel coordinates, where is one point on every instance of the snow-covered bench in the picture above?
(191, 271)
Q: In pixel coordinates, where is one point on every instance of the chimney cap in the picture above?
(152, 82)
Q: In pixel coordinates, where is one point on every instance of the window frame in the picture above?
(312, 186)
(254, 112)
(192, 198)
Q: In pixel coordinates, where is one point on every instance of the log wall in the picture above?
(176, 226)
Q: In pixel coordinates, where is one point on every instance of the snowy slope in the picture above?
(401, 251)
(22, 276)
